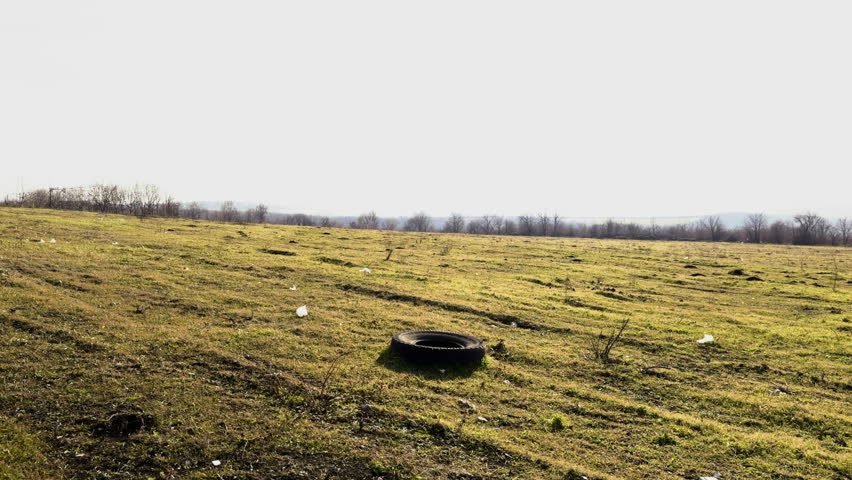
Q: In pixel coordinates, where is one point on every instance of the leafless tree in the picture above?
(419, 222)
(193, 211)
(389, 224)
(810, 229)
(455, 224)
(844, 231)
(170, 207)
(327, 222)
(755, 224)
(368, 221)
(487, 224)
(228, 212)
(260, 212)
(779, 232)
(543, 224)
(712, 227)
(526, 225)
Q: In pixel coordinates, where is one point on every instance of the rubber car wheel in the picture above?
(431, 346)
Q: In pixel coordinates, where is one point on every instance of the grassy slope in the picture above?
(194, 324)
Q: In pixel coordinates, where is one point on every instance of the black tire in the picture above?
(434, 347)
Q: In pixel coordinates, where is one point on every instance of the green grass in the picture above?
(193, 326)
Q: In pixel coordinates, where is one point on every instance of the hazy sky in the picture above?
(595, 108)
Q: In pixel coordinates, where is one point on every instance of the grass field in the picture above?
(148, 349)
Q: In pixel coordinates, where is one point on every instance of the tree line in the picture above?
(147, 200)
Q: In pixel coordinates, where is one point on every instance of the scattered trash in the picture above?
(514, 324)
(507, 382)
(467, 404)
(52, 240)
(216, 463)
(302, 311)
(707, 339)
(714, 477)
(115, 243)
(442, 370)
(293, 288)
(482, 419)
(40, 240)
(365, 270)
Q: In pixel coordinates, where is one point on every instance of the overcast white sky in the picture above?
(596, 108)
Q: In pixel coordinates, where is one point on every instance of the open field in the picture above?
(148, 349)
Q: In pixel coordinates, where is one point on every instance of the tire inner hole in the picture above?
(439, 344)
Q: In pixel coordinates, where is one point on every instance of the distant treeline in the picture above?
(146, 200)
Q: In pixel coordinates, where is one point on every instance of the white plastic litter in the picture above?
(216, 463)
(707, 478)
(442, 370)
(365, 270)
(115, 243)
(482, 419)
(293, 288)
(40, 240)
(52, 240)
(707, 339)
(302, 311)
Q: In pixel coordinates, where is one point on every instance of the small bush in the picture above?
(556, 423)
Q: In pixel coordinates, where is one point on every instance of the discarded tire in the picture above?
(430, 346)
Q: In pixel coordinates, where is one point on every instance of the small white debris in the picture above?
(293, 288)
(708, 478)
(302, 311)
(493, 326)
(706, 339)
(185, 268)
(514, 324)
(507, 382)
(80, 455)
(365, 270)
(482, 419)
(40, 240)
(52, 240)
(115, 243)
(442, 370)
(467, 404)
(216, 463)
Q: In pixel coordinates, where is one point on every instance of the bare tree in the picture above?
(810, 229)
(260, 212)
(193, 211)
(389, 224)
(487, 224)
(543, 224)
(419, 222)
(170, 207)
(755, 224)
(779, 232)
(712, 227)
(455, 224)
(368, 221)
(526, 225)
(327, 222)
(844, 231)
(228, 212)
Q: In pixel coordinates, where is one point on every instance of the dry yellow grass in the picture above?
(191, 327)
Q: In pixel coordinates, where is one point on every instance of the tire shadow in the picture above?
(431, 371)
